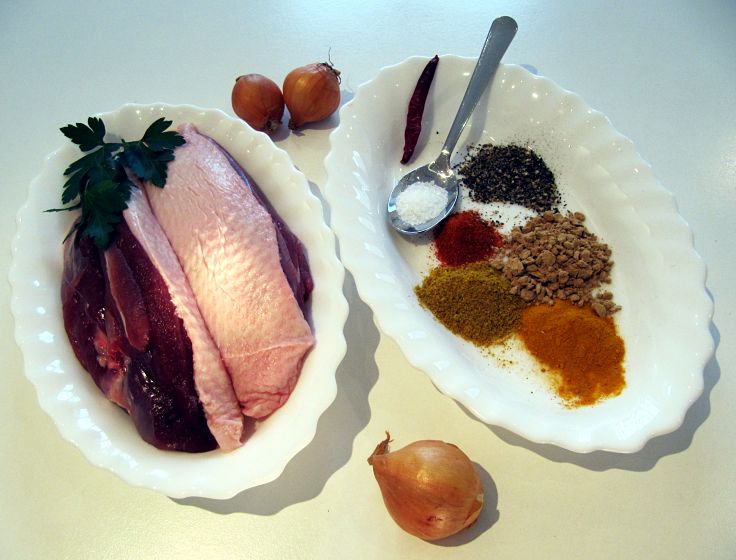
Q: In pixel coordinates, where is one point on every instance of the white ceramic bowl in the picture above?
(657, 278)
(67, 393)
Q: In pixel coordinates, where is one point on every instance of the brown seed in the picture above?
(553, 255)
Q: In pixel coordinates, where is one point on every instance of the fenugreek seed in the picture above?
(564, 261)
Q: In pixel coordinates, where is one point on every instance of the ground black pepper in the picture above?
(513, 174)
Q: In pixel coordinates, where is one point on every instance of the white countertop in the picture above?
(663, 72)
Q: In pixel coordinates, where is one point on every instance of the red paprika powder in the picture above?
(464, 238)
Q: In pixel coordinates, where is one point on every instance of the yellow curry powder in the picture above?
(581, 351)
(472, 301)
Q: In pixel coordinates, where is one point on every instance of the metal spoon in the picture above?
(439, 171)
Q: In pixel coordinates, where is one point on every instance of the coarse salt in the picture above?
(420, 202)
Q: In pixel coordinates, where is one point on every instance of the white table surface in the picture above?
(664, 72)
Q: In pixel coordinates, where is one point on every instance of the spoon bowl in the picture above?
(442, 177)
(439, 172)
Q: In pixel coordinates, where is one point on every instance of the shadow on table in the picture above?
(653, 451)
(308, 472)
(330, 123)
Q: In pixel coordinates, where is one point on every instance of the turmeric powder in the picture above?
(581, 351)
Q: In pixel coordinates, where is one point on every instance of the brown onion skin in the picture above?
(311, 93)
(431, 488)
(258, 101)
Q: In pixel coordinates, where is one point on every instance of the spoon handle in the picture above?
(498, 40)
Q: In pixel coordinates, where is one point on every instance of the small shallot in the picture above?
(431, 488)
(311, 93)
(258, 101)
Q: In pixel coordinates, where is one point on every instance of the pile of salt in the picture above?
(420, 202)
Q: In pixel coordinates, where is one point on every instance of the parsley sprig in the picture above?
(98, 183)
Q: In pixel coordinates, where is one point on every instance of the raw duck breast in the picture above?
(133, 324)
(248, 273)
(211, 379)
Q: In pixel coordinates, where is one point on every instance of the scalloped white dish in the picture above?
(102, 431)
(658, 278)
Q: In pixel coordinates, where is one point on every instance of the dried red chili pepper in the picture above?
(464, 238)
(416, 108)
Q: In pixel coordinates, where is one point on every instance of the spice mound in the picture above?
(581, 351)
(473, 301)
(465, 237)
(553, 256)
(512, 174)
(420, 202)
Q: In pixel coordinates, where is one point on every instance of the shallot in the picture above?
(311, 93)
(258, 101)
(431, 488)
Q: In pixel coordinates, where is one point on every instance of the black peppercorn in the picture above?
(513, 174)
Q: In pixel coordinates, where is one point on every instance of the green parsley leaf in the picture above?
(98, 183)
(104, 198)
(145, 163)
(99, 227)
(87, 136)
(79, 174)
(157, 138)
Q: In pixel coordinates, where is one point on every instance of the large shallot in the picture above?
(258, 101)
(431, 488)
(311, 93)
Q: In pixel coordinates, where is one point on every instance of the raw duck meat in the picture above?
(124, 329)
(211, 379)
(83, 308)
(187, 322)
(233, 254)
